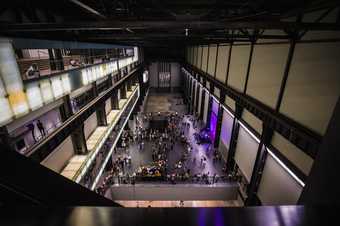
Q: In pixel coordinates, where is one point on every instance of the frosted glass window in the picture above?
(46, 91)
(57, 87)
(226, 128)
(66, 83)
(5, 111)
(277, 186)
(84, 76)
(246, 151)
(33, 94)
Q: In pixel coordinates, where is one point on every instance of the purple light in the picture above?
(213, 124)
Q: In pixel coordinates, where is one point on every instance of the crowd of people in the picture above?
(162, 142)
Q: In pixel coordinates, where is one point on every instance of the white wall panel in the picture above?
(195, 51)
(300, 159)
(246, 150)
(90, 125)
(205, 58)
(252, 120)
(266, 72)
(222, 63)
(199, 56)
(313, 85)
(277, 186)
(230, 103)
(212, 60)
(58, 159)
(238, 66)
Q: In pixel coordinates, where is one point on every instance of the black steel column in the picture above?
(78, 140)
(123, 92)
(210, 105)
(203, 99)
(249, 65)
(94, 89)
(285, 74)
(228, 63)
(198, 88)
(58, 59)
(322, 187)
(66, 108)
(53, 66)
(260, 160)
(128, 85)
(101, 115)
(193, 97)
(109, 80)
(233, 140)
(219, 120)
(114, 101)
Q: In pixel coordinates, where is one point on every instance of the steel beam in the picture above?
(142, 25)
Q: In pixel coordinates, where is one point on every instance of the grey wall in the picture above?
(174, 192)
(175, 74)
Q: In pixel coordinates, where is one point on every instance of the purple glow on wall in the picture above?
(214, 107)
(213, 124)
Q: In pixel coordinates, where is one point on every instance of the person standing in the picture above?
(41, 128)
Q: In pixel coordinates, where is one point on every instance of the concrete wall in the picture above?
(174, 192)
(58, 159)
(175, 74)
(90, 125)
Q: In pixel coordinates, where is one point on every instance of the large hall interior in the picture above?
(176, 112)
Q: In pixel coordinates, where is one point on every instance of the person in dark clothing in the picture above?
(41, 128)
(31, 127)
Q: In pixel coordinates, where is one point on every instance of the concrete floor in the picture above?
(144, 157)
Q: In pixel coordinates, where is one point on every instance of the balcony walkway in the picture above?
(95, 141)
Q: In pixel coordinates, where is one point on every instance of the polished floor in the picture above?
(177, 203)
(104, 216)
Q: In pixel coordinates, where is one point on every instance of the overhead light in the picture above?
(186, 31)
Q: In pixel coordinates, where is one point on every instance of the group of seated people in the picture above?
(155, 170)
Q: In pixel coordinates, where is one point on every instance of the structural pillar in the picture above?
(78, 140)
(123, 92)
(114, 100)
(101, 115)
(66, 108)
(234, 136)
(219, 120)
(266, 136)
